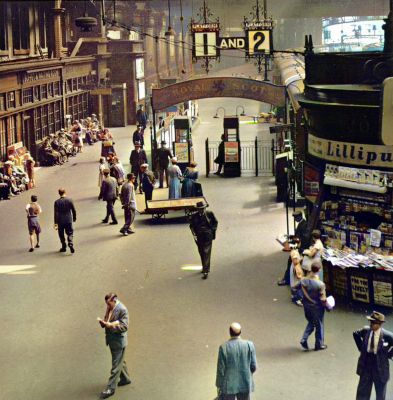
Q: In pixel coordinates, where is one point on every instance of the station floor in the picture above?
(52, 347)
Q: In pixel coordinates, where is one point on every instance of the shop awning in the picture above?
(328, 180)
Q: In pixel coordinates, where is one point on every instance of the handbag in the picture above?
(108, 143)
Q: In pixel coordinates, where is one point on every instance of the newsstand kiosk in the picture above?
(182, 146)
(232, 147)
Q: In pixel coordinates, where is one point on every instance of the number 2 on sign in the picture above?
(258, 42)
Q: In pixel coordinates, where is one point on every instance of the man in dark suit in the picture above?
(148, 180)
(141, 117)
(163, 157)
(108, 193)
(138, 136)
(376, 348)
(65, 215)
(115, 323)
(203, 225)
(137, 158)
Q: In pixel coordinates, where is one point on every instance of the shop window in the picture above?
(50, 89)
(43, 23)
(3, 27)
(75, 107)
(27, 95)
(3, 139)
(56, 88)
(20, 31)
(37, 125)
(57, 113)
(44, 91)
(2, 102)
(44, 121)
(69, 86)
(75, 84)
(36, 93)
(10, 100)
(12, 130)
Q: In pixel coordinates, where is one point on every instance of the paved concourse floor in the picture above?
(52, 347)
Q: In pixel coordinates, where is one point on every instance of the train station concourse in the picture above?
(196, 199)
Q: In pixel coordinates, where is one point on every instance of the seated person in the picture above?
(5, 191)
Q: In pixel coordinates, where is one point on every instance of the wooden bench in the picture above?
(159, 208)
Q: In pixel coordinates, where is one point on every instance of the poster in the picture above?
(181, 152)
(359, 285)
(339, 278)
(382, 291)
(311, 183)
(231, 152)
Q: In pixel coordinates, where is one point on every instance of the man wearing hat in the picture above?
(163, 157)
(147, 182)
(128, 200)
(141, 117)
(236, 365)
(203, 225)
(137, 158)
(302, 238)
(376, 348)
(138, 136)
(108, 193)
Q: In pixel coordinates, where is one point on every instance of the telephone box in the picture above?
(182, 146)
(232, 147)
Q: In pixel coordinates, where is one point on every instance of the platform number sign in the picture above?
(258, 42)
(205, 44)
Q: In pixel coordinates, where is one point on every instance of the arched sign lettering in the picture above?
(218, 87)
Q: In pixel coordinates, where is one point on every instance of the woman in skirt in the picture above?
(33, 209)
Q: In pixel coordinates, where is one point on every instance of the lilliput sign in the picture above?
(351, 153)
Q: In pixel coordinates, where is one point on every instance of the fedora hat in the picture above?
(376, 317)
(297, 214)
(200, 205)
(137, 144)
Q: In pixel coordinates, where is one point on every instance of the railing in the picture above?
(257, 157)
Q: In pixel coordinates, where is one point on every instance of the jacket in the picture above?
(117, 337)
(127, 195)
(138, 158)
(65, 212)
(163, 156)
(384, 351)
(148, 181)
(108, 189)
(235, 366)
(204, 226)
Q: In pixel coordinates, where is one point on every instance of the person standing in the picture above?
(148, 181)
(163, 157)
(115, 323)
(376, 348)
(65, 215)
(174, 174)
(141, 117)
(29, 167)
(203, 225)
(236, 365)
(189, 186)
(33, 210)
(128, 200)
(220, 159)
(138, 136)
(103, 165)
(137, 158)
(109, 194)
(314, 299)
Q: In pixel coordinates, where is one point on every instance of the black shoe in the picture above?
(323, 347)
(282, 282)
(72, 249)
(113, 223)
(37, 246)
(125, 233)
(107, 393)
(205, 275)
(304, 344)
(63, 250)
(104, 221)
(130, 231)
(31, 249)
(124, 383)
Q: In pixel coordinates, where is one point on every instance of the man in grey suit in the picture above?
(115, 323)
(65, 215)
(128, 200)
(109, 193)
(376, 348)
(235, 367)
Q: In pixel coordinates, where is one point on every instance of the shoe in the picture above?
(107, 393)
(31, 249)
(130, 231)
(37, 246)
(205, 275)
(104, 221)
(323, 347)
(63, 250)
(282, 282)
(125, 233)
(299, 303)
(123, 383)
(304, 344)
(113, 223)
(72, 249)
(217, 173)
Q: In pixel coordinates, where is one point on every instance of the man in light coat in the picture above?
(108, 193)
(128, 200)
(235, 367)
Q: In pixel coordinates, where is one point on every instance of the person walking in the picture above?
(236, 365)
(128, 201)
(141, 117)
(65, 215)
(189, 185)
(203, 225)
(108, 193)
(115, 323)
(138, 136)
(137, 158)
(148, 181)
(220, 159)
(175, 174)
(163, 157)
(33, 210)
(376, 348)
(314, 299)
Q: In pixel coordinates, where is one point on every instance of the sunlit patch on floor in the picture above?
(22, 273)
(189, 267)
(16, 269)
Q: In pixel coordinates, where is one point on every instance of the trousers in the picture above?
(66, 228)
(314, 316)
(148, 196)
(161, 174)
(110, 212)
(119, 367)
(238, 396)
(368, 378)
(205, 249)
(129, 216)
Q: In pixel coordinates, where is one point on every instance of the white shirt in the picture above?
(377, 334)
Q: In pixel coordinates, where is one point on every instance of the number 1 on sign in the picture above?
(205, 44)
(258, 42)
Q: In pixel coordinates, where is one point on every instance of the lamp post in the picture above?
(243, 113)
(219, 108)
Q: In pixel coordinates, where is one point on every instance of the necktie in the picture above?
(372, 345)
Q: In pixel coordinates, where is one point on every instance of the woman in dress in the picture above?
(314, 253)
(103, 165)
(190, 176)
(33, 209)
(29, 166)
(174, 174)
(77, 140)
(106, 143)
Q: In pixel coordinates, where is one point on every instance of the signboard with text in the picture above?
(231, 152)
(205, 39)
